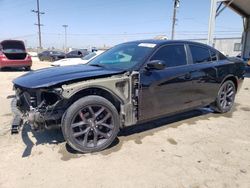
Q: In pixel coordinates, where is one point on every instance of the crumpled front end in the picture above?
(41, 108)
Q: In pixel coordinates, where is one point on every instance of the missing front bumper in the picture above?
(17, 117)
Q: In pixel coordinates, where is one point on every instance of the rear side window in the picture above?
(213, 55)
(173, 55)
(200, 54)
(222, 57)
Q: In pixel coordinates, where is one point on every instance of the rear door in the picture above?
(204, 74)
(166, 91)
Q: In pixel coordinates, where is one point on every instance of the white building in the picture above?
(228, 46)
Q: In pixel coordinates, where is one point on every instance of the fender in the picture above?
(230, 76)
(119, 86)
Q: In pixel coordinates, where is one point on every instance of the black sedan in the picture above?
(131, 83)
(77, 54)
(51, 55)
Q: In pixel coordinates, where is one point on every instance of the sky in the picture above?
(109, 22)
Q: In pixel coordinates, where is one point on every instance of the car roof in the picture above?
(163, 42)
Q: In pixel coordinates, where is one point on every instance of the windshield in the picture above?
(123, 56)
(89, 56)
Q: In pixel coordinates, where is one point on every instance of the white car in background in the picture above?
(76, 61)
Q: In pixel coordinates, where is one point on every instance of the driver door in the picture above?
(166, 91)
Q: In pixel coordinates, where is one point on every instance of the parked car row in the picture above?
(13, 54)
(76, 61)
(52, 55)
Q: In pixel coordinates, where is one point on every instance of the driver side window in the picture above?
(172, 55)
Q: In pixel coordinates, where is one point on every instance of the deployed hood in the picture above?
(60, 75)
(68, 61)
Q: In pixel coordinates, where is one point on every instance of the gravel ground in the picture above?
(193, 150)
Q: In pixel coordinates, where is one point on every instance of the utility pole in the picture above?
(176, 5)
(65, 35)
(38, 23)
(211, 25)
(215, 12)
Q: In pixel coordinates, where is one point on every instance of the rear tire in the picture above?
(225, 98)
(51, 59)
(27, 68)
(90, 124)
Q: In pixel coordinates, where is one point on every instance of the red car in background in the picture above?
(13, 54)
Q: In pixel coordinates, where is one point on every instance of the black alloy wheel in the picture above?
(90, 124)
(225, 99)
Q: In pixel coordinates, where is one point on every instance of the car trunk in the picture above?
(13, 49)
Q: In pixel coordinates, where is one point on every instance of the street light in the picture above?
(176, 5)
(65, 35)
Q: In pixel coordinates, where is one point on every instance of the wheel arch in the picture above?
(233, 78)
(99, 91)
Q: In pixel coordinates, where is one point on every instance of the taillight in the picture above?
(29, 57)
(2, 56)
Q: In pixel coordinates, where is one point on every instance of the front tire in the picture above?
(90, 124)
(225, 98)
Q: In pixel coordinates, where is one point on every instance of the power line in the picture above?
(141, 33)
(38, 23)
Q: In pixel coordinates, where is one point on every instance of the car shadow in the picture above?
(52, 137)
(12, 69)
(55, 136)
(165, 121)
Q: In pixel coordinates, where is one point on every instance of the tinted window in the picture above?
(56, 53)
(200, 54)
(72, 53)
(173, 55)
(222, 57)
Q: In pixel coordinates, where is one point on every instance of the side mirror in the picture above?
(156, 65)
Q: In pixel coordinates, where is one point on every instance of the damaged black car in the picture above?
(131, 83)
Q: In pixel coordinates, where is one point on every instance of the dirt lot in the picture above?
(193, 150)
